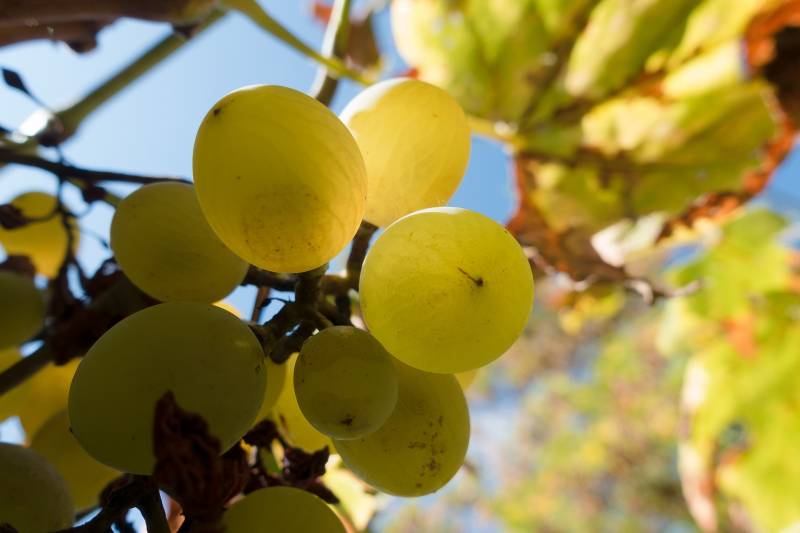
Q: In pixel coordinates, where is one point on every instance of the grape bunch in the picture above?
(281, 186)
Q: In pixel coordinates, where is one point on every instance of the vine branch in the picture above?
(67, 171)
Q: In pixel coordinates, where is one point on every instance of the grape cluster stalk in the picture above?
(152, 385)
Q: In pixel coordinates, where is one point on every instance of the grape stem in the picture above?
(335, 46)
(66, 171)
(24, 369)
(140, 492)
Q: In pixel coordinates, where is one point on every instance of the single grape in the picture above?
(45, 394)
(207, 357)
(33, 497)
(293, 425)
(424, 442)
(345, 382)
(276, 381)
(165, 246)
(39, 397)
(466, 379)
(281, 509)
(446, 290)
(279, 178)
(415, 141)
(44, 240)
(85, 477)
(21, 309)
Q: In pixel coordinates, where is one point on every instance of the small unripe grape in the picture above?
(85, 477)
(33, 497)
(291, 422)
(345, 382)
(415, 140)
(281, 509)
(43, 241)
(422, 444)
(279, 178)
(446, 290)
(165, 246)
(21, 309)
(204, 355)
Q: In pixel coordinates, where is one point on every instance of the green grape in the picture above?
(21, 309)
(281, 509)
(276, 381)
(39, 397)
(345, 382)
(446, 290)
(279, 178)
(165, 246)
(85, 477)
(45, 394)
(293, 425)
(45, 240)
(207, 357)
(415, 141)
(424, 442)
(466, 379)
(33, 497)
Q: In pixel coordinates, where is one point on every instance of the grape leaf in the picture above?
(614, 110)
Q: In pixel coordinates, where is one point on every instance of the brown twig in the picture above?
(56, 11)
(335, 45)
(358, 252)
(24, 369)
(66, 171)
(153, 512)
(118, 503)
(263, 278)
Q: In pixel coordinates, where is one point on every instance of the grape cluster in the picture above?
(283, 184)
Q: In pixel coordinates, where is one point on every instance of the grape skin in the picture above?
(345, 382)
(84, 477)
(165, 246)
(276, 382)
(33, 497)
(415, 140)
(208, 358)
(422, 444)
(279, 178)
(446, 290)
(281, 509)
(44, 240)
(39, 397)
(293, 425)
(21, 309)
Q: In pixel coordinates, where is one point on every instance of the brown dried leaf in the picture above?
(189, 465)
